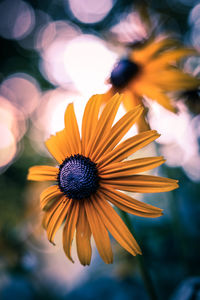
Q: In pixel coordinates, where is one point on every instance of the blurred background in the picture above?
(57, 51)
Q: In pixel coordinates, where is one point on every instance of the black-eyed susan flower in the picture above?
(150, 70)
(91, 176)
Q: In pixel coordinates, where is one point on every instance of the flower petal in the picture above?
(130, 101)
(117, 132)
(64, 143)
(49, 195)
(43, 173)
(49, 213)
(129, 204)
(127, 148)
(148, 51)
(173, 80)
(108, 95)
(168, 57)
(116, 226)
(131, 167)
(153, 91)
(58, 218)
(72, 130)
(104, 124)
(83, 236)
(90, 118)
(142, 183)
(55, 147)
(99, 232)
(69, 228)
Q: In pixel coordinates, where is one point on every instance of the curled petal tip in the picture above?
(139, 252)
(52, 242)
(85, 265)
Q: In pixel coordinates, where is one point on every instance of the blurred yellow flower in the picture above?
(91, 172)
(151, 70)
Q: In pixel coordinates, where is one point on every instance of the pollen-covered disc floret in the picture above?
(78, 177)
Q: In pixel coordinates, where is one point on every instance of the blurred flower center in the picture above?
(123, 72)
(78, 177)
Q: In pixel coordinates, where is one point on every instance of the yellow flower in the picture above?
(91, 173)
(150, 70)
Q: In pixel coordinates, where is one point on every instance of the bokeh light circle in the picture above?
(17, 19)
(89, 62)
(90, 11)
(49, 116)
(12, 118)
(7, 146)
(51, 42)
(21, 90)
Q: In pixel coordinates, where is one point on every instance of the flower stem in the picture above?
(144, 272)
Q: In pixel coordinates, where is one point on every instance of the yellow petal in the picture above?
(60, 145)
(149, 50)
(130, 101)
(43, 173)
(104, 124)
(83, 236)
(142, 183)
(72, 131)
(49, 195)
(90, 118)
(130, 204)
(131, 167)
(108, 95)
(117, 132)
(49, 213)
(99, 232)
(54, 147)
(127, 148)
(69, 228)
(116, 226)
(168, 57)
(64, 143)
(58, 218)
(173, 80)
(154, 92)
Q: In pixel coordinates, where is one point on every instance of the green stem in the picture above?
(144, 272)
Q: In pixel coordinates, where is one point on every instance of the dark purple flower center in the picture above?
(78, 177)
(123, 72)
